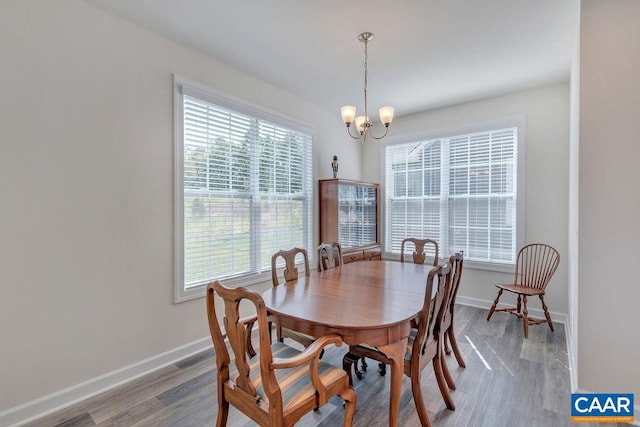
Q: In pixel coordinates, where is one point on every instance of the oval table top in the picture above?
(369, 302)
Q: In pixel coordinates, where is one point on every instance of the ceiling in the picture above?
(426, 53)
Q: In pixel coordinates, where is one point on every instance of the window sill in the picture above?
(474, 265)
(236, 282)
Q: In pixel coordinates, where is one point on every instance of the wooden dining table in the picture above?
(370, 302)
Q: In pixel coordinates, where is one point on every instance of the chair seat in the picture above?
(303, 339)
(295, 383)
(407, 354)
(523, 290)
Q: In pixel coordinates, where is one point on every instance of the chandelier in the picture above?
(362, 123)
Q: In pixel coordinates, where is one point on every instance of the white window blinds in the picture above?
(246, 192)
(459, 191)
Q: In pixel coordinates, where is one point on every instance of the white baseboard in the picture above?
(45, 405)
(571, 354)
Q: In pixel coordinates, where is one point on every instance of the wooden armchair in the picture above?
(290, 272)
(282, 384)
(535, 266)
(419, 254)
(424, 344)
(329, 256)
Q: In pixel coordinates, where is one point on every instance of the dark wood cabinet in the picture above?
(349, 215)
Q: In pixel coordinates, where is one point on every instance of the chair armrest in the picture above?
(311, 352)
(248, 320)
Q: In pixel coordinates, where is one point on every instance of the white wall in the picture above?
(547, 157)
(86, 218)
(609, 227)
(574, 197)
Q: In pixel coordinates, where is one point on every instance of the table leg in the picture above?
(395, 352)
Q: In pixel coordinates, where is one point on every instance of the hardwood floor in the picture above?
(509, 381)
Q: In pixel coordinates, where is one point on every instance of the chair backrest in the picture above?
(426, 340)
(535, 265)
(235, 331)
(290, 270)
(455, 261)
(329, 256)
(419, 254)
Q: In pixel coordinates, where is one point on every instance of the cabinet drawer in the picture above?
(373, 254)
(355, 256)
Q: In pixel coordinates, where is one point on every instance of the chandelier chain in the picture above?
(366, 72)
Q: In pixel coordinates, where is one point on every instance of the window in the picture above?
(243, 186)
(460, 190)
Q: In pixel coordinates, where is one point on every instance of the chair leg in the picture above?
(519, 304)
(495, 303)
(223, 413)
(454, 346)
(546, 313)
(419, 401)
(356, 370)
(355, 365)
(442, 382)
(347, 363)
(447, 350)
(351, 400)
(447, 375)
(279, 333)
(525, 317)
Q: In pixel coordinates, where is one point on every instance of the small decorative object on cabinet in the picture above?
(349, 215)
(334, 166)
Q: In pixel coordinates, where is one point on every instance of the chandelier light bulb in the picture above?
(348, 114)
(386, 115)
(360, 123)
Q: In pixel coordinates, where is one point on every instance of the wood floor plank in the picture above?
(508, 381)
(81, 420)
(139, 390)
(134, 414)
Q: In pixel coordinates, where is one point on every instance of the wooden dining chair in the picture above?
(290, 272)
(280, 385)
(535, 265)
(419, 253)
(424, 344)
(419, 256)
(329, 256)
(446, 325)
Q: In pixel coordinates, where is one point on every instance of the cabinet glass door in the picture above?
(357, 215)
